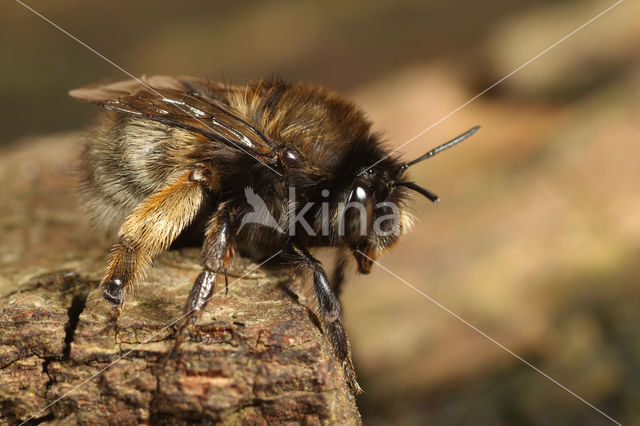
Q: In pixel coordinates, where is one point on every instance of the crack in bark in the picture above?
(75, 309)
(78, 304)
(39, 420)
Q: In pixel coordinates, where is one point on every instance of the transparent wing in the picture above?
(187, 103)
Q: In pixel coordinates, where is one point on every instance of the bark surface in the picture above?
(258, 355)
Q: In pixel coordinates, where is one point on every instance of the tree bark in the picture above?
(258, 355)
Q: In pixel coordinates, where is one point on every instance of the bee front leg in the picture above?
(331, 313)
(152, 226)
(216, 254)
(337, 278)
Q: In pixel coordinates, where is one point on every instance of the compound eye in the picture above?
(290, 158)
(358, 215)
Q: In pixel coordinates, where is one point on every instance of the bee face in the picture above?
(375, 213)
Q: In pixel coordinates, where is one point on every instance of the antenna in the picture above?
(436, 150)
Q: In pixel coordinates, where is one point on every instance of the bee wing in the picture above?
(187, 103)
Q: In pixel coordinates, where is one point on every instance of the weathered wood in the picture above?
(258, 356)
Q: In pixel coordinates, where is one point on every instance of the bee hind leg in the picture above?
(152, 226)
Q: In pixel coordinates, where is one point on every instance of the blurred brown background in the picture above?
(537, 236)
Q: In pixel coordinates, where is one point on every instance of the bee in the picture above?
(187, 158)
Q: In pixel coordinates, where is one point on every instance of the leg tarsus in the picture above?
(114, 292)
(331, 312)
(198, 297)
(112, 324)
(338, 338)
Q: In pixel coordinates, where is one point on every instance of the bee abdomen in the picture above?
(126, 160)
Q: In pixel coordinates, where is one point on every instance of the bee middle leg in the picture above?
(152, 226)
(331, 313)
(216, 254)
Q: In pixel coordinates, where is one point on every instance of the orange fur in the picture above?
(153, 225)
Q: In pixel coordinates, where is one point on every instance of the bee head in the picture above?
(375, 210)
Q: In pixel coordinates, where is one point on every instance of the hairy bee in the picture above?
(190, 158)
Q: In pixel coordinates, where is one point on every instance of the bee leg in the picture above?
(152, 226)
(338, 273)
(331, 313)
(216, 254)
